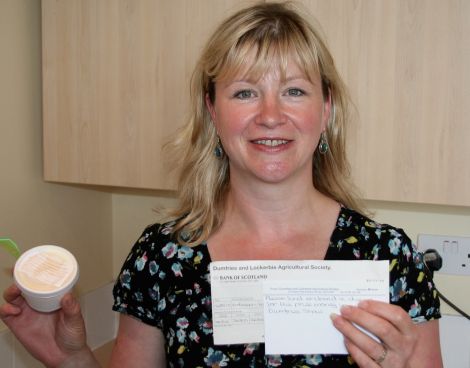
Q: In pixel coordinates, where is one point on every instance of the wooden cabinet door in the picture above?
(116, 85)
(406, 63)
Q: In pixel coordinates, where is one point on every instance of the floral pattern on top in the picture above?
(167, 285)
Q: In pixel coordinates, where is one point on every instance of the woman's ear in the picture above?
(210, 107)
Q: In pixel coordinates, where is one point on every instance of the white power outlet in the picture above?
(454, 250)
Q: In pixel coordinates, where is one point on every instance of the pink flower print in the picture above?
(169, 250)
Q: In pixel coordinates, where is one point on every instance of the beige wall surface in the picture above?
(132, 212)
(33, 212)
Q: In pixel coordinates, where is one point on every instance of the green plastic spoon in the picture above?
(10, 246)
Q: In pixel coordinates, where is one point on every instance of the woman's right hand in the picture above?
(57, 339)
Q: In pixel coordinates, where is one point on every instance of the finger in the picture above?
(359, 357)
(73, 335)
(392, 313)
(8, 310)
(378, 326)
(70, 307)
(363, 341)
(11, 293)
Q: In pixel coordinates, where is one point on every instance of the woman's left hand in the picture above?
(391, 324)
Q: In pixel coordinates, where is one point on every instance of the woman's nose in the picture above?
(270, 113)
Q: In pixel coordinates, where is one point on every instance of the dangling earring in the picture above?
(218, 150)
(323, 146)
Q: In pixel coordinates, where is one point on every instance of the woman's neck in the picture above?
(268, 208)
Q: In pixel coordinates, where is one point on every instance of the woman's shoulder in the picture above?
(155, 236)
(369, 238)
(158, 247)
(356, 221)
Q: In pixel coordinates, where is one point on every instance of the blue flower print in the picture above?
(205, 324)
(378, 233)
(341, 222)
(375, 251)
(125, 279)
(191, 307)
(169, 250)
(339, 245)
(406, 251)
(356, 253)
(415, 309)
(394, 245)
(138, 296)
(172, 298)
(181, 335)
(430, 311)
(398, 289)
(153, 268)
(194, 336)
(364, 233)
(154, 292)
(176, 268)
(215, 359)
(170, 336)
(161, 305)
(185, 252)
(418, 260)
(419, 319)
(313, 359)
(141, 261)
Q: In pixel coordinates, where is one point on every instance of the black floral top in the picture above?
(167, 285)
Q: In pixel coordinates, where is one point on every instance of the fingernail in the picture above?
(333, 316)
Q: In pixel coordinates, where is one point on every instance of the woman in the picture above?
(264, 176)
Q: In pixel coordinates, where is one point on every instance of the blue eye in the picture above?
(295, 92)
(244, 94)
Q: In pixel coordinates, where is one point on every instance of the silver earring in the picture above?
(218, 150)
(323, 146)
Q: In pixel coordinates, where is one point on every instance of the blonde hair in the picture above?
(277, 32)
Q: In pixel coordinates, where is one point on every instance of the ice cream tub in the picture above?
(44, 274)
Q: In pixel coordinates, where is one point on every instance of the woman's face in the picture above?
(270, 128)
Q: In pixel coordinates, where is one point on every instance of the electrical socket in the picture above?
(454, 250)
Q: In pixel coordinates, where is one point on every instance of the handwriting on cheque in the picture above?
(313, 300)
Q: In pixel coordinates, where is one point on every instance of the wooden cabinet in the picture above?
(116, 85)
(406, 63)
(116, 78)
